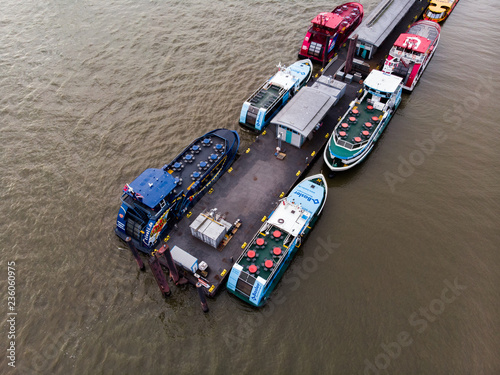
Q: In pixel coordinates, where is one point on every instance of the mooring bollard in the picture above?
(135, 253)
(174, 273)
(203, 299)
(157, 271)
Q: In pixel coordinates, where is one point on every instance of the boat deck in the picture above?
(358, 126)
(423, 30)
(264, 98)
(266, 247)
(250, 191)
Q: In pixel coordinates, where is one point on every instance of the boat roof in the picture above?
(283, 79)
(439, 6)
(287, 77)
(310, 105)
(425, 28)
(381, 81)
(153, 185)
(327, 19)
(289, 217)
(374, 29)
(413, 42)
(295, 210)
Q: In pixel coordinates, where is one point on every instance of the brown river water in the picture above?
(400, 276)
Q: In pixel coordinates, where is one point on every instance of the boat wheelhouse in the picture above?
(266, 257)
(412, 51)
(258, 110)
(158, 198)
(329, 30)
(357, 131)
(439, 10)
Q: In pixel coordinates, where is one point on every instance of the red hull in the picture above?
(329, 30)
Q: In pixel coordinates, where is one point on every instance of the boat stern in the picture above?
(246, 287)
(252, 118)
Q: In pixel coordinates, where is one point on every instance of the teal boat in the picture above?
(357, 131)
(266, 257)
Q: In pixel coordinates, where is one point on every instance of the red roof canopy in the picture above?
(420, 44)
(330, 20)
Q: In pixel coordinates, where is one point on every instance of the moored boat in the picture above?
(258, 110)
(158, 198)
(439, 10)
(329, 30)
(357, 131)
(412, 52)
(266, 257)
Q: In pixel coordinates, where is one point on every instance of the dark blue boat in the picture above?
(158, 198)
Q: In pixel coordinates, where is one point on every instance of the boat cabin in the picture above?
(438, 10)
(382, 88)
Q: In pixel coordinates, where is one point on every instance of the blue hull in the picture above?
(267, 256)
(158, 198)
(260, 108)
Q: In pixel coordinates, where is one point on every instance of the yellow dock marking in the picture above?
(189, 214)
(211, 191)
(223, 272)
(297, 174)
(211, 288)
(248, 150)
(262, 234)
(166, 239)
(244, 245)
(282, 194)
(264, 132)
(230, 170)
(313, 153)
(263, 219)
(327, 135)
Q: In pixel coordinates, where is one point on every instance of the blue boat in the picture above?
(264, 104)
(266, 257)
(158, 198)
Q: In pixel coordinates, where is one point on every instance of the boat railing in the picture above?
(415, 57)
(350, 146)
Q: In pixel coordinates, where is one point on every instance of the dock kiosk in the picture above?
(378, 25)
(299, 118)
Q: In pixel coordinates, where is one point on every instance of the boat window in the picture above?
(138, 207)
